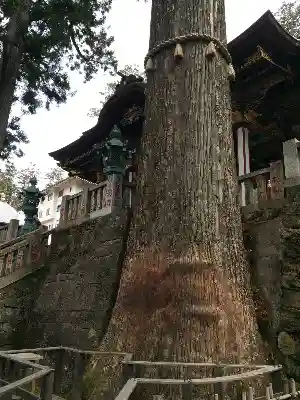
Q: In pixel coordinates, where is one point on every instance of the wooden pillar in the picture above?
(60, 356)
(243, 159)
(47, 386)
(219, 387)
(127, 369)
(78, 372)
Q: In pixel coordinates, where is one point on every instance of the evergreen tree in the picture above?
(7, 182)
(289, 17)
(54, 176)
(14, 138)
(43, 40)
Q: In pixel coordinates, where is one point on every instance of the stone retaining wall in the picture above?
(66, 299)
(272, 237)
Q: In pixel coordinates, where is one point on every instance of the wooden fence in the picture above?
(16, 373)
(259, 186)
(67, 366)
(64, 363)
(222, 380)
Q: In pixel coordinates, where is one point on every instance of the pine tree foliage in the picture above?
(62, 36)
(14, 138)
(54, 176)
(41, 42)
(289, 17)
(8, 186)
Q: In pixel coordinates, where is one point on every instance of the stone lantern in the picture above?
(114, 156)
(31, 199)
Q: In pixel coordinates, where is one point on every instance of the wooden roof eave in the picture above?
(124, 97)
(270, 29)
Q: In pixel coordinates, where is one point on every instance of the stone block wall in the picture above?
(68, 299)
(75, 302)
(272, 237)
(16, 302)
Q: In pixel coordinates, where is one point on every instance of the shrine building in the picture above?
(265, 113)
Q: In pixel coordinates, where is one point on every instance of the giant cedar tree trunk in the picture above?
(185, 289)
(10, 62)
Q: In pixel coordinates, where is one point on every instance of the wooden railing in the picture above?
(67, 364)
(15, 373)
(259, 186)
(66, 367)
(221, 376)
(24, 251)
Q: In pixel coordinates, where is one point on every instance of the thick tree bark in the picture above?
(10, 63)
(185, 289)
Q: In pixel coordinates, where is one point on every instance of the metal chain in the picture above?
(186, 38)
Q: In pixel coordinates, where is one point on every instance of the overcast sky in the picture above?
(129, 21)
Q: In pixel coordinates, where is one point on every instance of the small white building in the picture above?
(49, 209)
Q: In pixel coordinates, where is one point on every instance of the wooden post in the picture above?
(187, 391)
(286, 386)
(2, 367)
(12, 229)
(59, 370)
(64, 210)
(268, 394)
(78, 372)
(127, 369)
(293, 388)
(250, 393)
(47, 386)
(220, 387)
